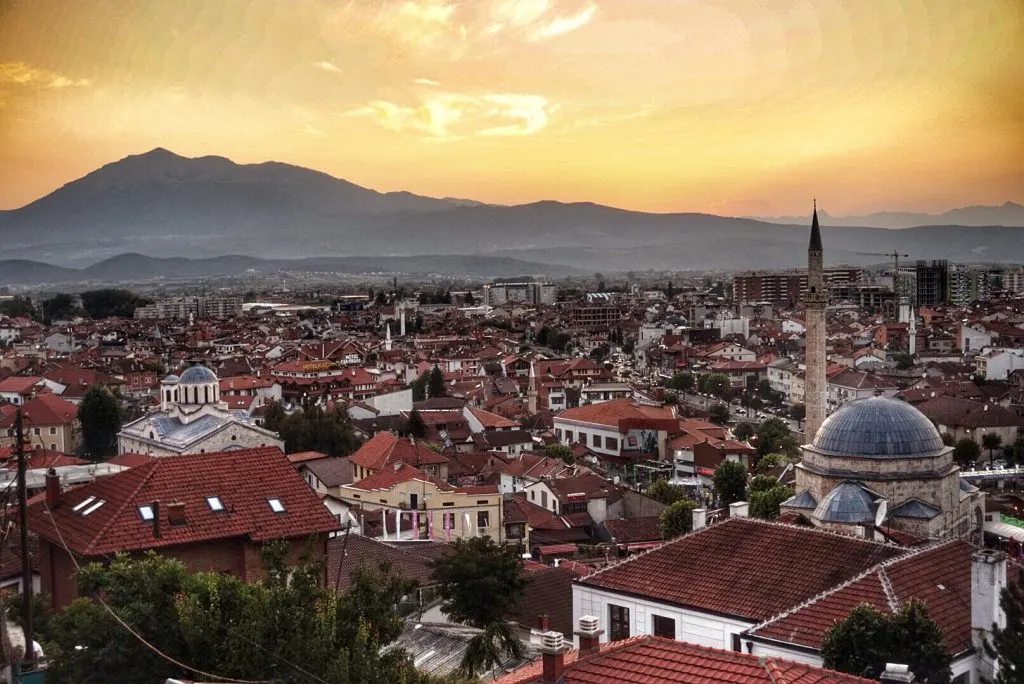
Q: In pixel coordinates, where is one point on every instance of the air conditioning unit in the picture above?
(552, 641)
(589, 624)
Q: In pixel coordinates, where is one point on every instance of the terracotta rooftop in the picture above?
(384, 448)
(655, 660)
(244, 481)
(611, 412)
(743, 567)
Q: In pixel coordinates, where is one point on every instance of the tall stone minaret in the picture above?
(387, 338)
(531, 392)
(814, 300)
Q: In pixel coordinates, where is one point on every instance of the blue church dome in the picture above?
(878, 427)
(198, 375)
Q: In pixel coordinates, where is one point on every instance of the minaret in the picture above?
(387, 338)
(814, 301)
(401, 329)
(531, 392)
(912, 342)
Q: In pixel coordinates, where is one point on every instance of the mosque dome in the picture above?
(878, 427)
(198, 375)
(848, 502)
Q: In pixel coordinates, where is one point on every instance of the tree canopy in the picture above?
(664, 492)
(282, 628)
(99, 414)
(863, 642)
(61, 306)
(991, 441)
(1007, 644)
(18, 306)
(435, 383)
(680, 381)
(677, 519)
(110, 302)
(312, 428)
(560, 451)
(714, 384)
(415, 425)
(774, 436)
(730, 481)
(743, 431)
(966, 451)
(719, 413)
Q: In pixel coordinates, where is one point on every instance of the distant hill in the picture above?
(159, 204)
(137, 268)
(1007, 214)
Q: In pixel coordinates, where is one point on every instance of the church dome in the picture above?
(171, 379)
(198, 375)
(878, 427)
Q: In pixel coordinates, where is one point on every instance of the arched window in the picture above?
(168, 396)
(206, 397)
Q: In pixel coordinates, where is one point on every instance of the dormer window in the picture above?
(276, 505)
(215, 504)
(146, 513)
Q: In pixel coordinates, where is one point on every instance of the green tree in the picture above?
(774, 435)
(798, 411)
(561, 452)
(714, 384)
(415, 426)
(903, 360)
(991, 441)
(419, 387)
(966, 451)
(765, 503)
(681, 381)
(761, 483)
(214, 622)
(863, 642)
(730, 480)
(948, 439)
(627, 347)
(18, 307)
(111, 302)
(435, 383)
(312, 428)
(599, 352)
(677, 519)
(58, 307)
(743, 431)
(764, 389)
(719, 413)
(480, 584)
(766, 463)
(664, 492)
(1007, 644)
(99, 414)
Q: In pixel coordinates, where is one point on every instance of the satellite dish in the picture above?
(881, 512)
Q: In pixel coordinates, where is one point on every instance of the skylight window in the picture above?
(275, 505)
(83, 503)
(93, 507)
(215, 503)
(146, 513)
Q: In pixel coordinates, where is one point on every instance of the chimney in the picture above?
(988, 579)
(740, 509)
(52, 488)
(590, 635)
(897, 673)
(156, 519)
(700, 518)
(553, 655)
(542, 623)
(176, 513)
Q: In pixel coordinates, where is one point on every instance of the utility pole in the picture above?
(26, 561)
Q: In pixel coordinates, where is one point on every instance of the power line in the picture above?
(138, 636)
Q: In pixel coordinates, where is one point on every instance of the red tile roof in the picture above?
(611, 412)
(389, 477)
(654, 660)
(939, 575)
(44, 409)
(492, 420)
(243, 479)
(743, 567)
(384, 448)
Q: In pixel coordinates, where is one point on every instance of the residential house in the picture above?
(384, 449)
(213, 512)
(48, 422)
(619, 431)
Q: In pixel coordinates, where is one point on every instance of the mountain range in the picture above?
(1006, 214)
(160, 204)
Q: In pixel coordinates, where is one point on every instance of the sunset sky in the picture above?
(743, 107)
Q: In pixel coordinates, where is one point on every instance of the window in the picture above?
(533, 495)
(663, 627)
(558, 433)
(275, 505)
(515, 531)
(543, 499)
(83, 503)
(583, 438)
(575, 507)
(568, 436)
(216, 504)
(146, 513)
(483, 519)
(53, 430)
(611, 443)
(35, 431)
(618, 622)
(93, 507)
(597, 440)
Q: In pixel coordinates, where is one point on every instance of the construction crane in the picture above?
(895, 256)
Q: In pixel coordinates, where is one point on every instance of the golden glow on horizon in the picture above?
(728, 106)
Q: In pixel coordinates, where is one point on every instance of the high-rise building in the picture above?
(533, 293)
(967, 284)
(815, 300)
(932, 282)
(786, 288)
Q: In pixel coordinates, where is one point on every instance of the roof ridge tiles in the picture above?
(878, 567)
(890, 593)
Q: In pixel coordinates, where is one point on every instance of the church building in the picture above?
(193, 420)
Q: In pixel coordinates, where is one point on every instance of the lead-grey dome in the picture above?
(878, 427)
(197, 375)
(848, 502)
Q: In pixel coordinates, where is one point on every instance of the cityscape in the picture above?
(519, 341)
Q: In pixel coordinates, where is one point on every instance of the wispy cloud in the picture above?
(329, 67)
(310, 129)
(426, 82)
(420, 22)
(562, 25)
(21, 74)
(454, 116)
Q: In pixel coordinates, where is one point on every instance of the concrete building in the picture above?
(199, 307)
(499, 293)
